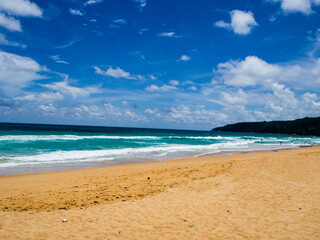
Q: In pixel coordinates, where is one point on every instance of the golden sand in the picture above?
(269, 195)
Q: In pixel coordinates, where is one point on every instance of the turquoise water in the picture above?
(38, 149)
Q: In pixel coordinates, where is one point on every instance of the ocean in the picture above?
(30, 148)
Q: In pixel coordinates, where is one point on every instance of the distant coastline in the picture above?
(305, 126)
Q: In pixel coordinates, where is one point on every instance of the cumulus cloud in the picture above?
(241, 22)
(23, 8)
(237, 98)
(294, 6)
(114, 72)
(312, 99)
(279, 91)
(253, 71)
(284, 96)
(17, 72)
(249, 72)
(185, 58)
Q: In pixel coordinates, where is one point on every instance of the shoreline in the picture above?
(260, 195)
(47, 168)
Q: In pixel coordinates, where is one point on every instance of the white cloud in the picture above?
(284, 95)
(249, 72)
(286, 105)
(275, 89)
(112, 110)
(65, 89)
(5, 41)
(17, 72)
(294, 6)
(253, 71)
(41, 97)
(61, 61)
(184, 114)
(188, 82)
(47, 110)
(223, 24)
(114, 72)
(168, 34)
(75, 12)
(152, 77)
(125, 103)
(143, 30)
(193, 88)
(150, 111)
(91, 2)
(241, 22)
(303, 6)
(134, 116)
(22, 8)
(185, 58)
(10, 23)
(140, 77)
(274, 107)
(312, 99)
(142, 4)
(139, 55)
(57, 59)
(163, 88)
(118, 23)
(66, 45)
(105, 112)
(238, 98)
(174, 82)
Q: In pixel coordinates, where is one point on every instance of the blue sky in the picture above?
(181, 64)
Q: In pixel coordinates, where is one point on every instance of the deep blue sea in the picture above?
(28, 148)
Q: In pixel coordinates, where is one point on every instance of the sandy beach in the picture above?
(262, 195)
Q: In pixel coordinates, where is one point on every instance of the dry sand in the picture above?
(273, 195)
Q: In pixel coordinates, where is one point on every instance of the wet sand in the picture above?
(262, 195)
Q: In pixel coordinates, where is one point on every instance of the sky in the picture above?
(179, 64)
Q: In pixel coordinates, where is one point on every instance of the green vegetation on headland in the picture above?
(305, 126)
